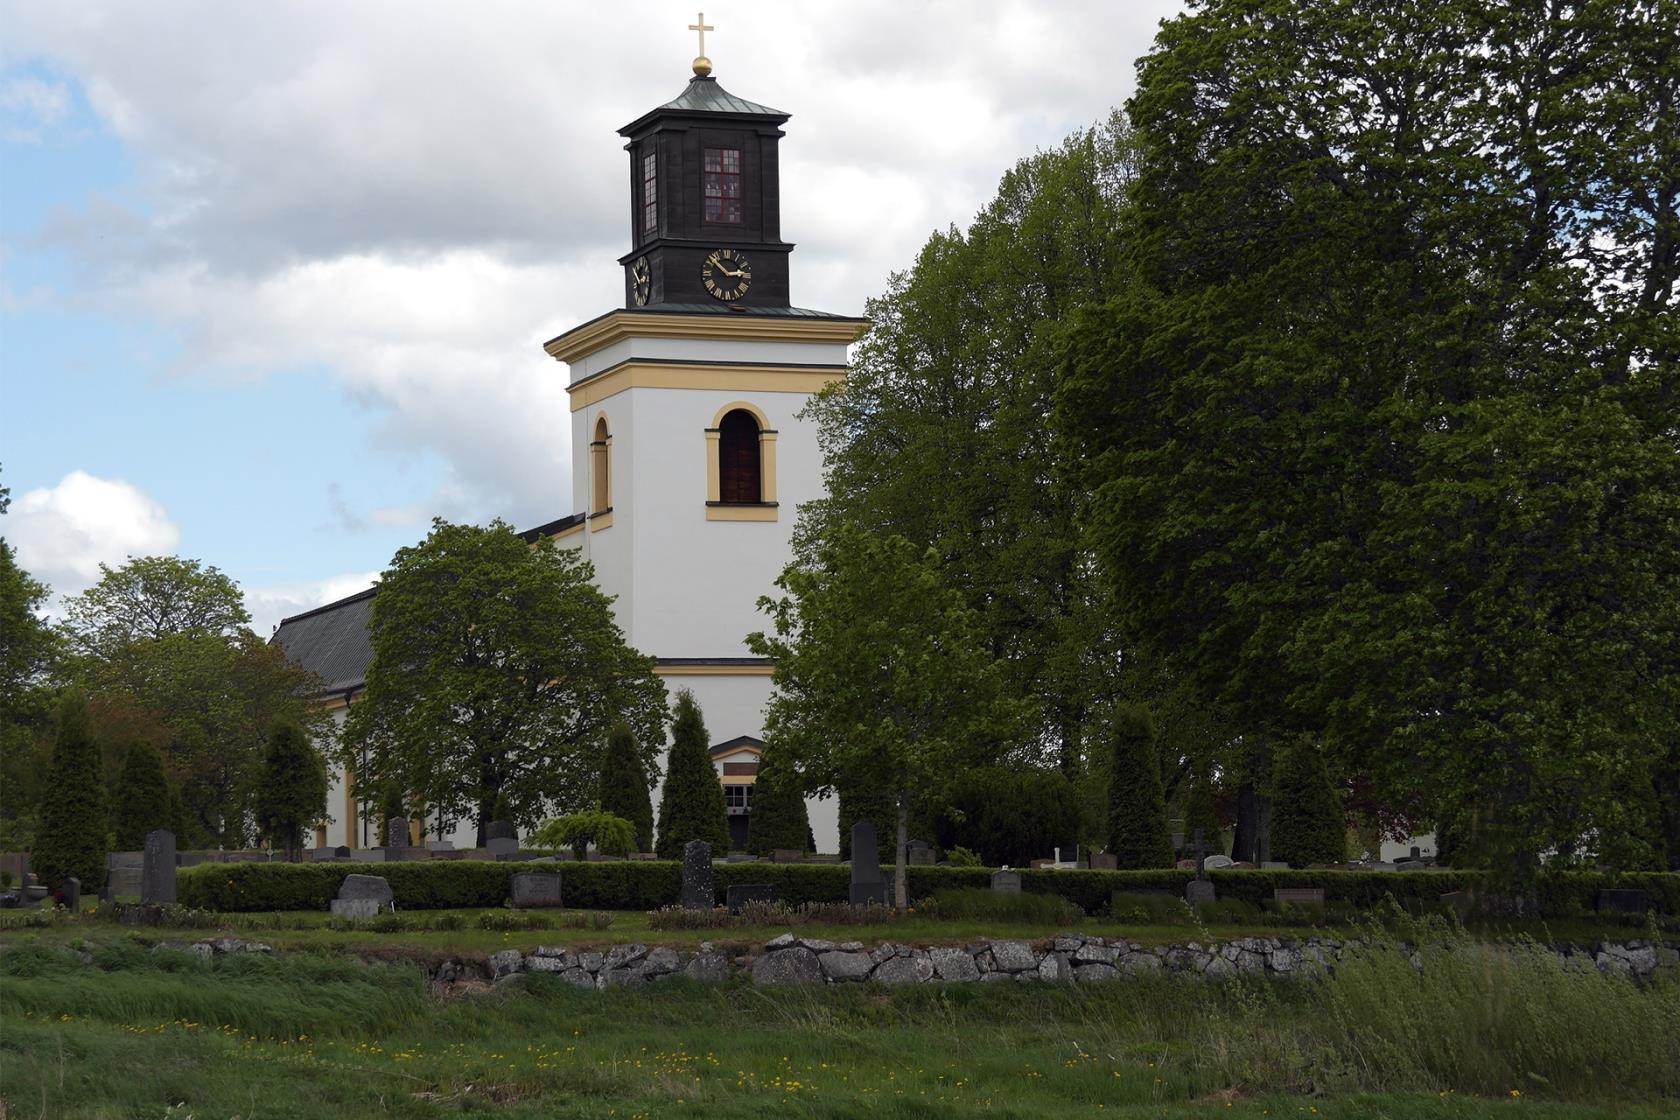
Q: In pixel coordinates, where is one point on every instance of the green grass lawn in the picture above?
(1482, 1032)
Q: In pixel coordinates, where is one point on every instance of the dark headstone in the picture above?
(405, 853)
(737, 895)
(1105, 861)
(1198, 891)
(698, 893)
(72, 894)
(341, 852)
(396, 832)
(535, 888)
(1622, 901)
(1006, 882)
(502, 846)
(1417, 853)
(499, 830)
(157, 868)
(868, 884)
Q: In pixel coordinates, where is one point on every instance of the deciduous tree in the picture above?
(497, 669)
(882, 674)
(143, 798)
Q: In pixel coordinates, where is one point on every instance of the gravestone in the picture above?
(321, 855)
(1199, 890)
(341, 852)
(1105, 861)
(396, 832)
(868, 885)
(362, 896)
(920, 854)
(535, 888)
(786, 855)
(499, 830)
(72, 892)
(1299, 896)
(157, 868)
(1006, 881)
(698, 893)
(499, 846)
(1275, 865)
(1217, 862)
(737, 895)
(440, 846)
(1622, 901)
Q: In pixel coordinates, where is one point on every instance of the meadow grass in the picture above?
(1480, 1031)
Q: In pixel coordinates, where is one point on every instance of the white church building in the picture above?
(689, 459)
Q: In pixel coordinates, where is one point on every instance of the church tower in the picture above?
(689, 460)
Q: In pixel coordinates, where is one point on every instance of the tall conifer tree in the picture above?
(293, 791)
(691, 807)
(73, 835)
(779, 818)
(144, 798)
(624, 784)
(1308, 825)
(1137, 809)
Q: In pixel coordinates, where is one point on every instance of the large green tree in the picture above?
(625, 789)
(691, 804)
(165, 640)
(497, 669)
(882, 675)
(30, 656)
(1382, 431)
(292, 793)
(75, 829)
(940, 431)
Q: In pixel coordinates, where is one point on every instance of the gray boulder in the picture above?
(839, 966)
(797, 965)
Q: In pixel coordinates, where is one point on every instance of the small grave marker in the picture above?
(737, 895)
(1006, 881)
(531, 889)
(868, 884)
(698, 893)
(157, 868)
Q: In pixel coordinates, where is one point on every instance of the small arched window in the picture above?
(600, 468)
(740, 473)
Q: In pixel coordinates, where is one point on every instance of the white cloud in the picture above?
(63, 534)
(29, 107)
(268, 605)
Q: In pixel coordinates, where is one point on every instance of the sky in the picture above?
(275, 277)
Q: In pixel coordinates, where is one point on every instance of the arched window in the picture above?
(600, 468)
(740, 465)
(740, 475)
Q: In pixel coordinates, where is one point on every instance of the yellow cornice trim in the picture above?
(742, 513)
(673, 375)
(715, 670)
(583, 340)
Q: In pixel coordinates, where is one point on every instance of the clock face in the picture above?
(726, 274)
(641, 281)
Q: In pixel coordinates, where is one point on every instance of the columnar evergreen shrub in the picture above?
(1137, 809)
(73, 836)
(1308, 824)
(292, 788)
(691, 806)
(144, 800)
(779, 818)
(624, 790)
(1009, 815)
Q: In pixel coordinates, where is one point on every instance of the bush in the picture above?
(962, 857)
(691, 804)
(1308, 824)
(611, 835)
(779, 819)
(977, 903)
(1011, 816)
(1137, 809)
(651, 884)
(143, 798)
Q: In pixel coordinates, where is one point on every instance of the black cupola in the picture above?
(705, 203)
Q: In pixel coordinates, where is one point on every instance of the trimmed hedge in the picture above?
(651, 884)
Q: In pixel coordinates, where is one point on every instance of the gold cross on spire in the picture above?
(702, 64)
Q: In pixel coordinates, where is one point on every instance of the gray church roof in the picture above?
(704, 95)
(331, 641)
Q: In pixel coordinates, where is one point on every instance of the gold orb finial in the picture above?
(702, 66)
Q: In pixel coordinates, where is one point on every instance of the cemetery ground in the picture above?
(100, 1021)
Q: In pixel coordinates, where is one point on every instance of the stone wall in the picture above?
(1070, 958)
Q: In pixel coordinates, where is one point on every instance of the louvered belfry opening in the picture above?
(738, 458)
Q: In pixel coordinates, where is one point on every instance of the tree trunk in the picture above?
(486, 806)
(901, 878)
(1245, 843)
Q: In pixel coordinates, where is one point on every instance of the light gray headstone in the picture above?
(1216, 862)
(698, 893)
(786, 855)
(366, 886)
(355, 908)
(1008, 882)
(535, 888)
(921, 853)
(157, 868)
